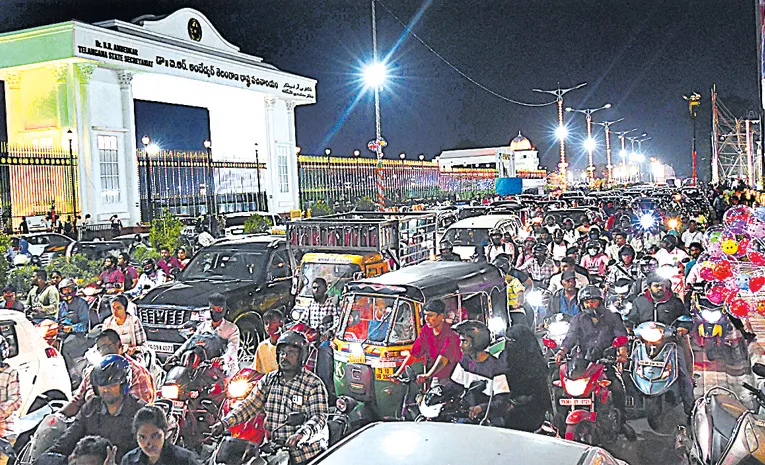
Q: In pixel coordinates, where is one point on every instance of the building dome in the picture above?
(520, 143)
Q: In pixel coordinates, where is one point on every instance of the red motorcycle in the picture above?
(237, 389)
(592, 417)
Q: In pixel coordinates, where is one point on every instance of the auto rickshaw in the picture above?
(381, 318)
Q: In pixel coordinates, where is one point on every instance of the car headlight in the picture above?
(711, 316)
(238, 388)
(170, 391)
(576, 387)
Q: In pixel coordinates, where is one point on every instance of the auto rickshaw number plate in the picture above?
(576, 401)
(360, 358)
(384, 373)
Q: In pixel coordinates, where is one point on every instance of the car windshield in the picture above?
(377, 319)
(335, 274)
(464, 237)
(225, 264)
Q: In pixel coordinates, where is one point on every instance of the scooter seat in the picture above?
(725, 412)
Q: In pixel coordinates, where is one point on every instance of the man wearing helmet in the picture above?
(149, 279)
(446, 253)
(594, 260)
(74, 314)
(551, 225)
(478, 365)
(593, 330)
(10, 397)
(540, 267)
(109, 414)
(497, 246)
(289, 389)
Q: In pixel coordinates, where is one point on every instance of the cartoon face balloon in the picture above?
(739, 308)
(760, 306)
(742, 281)
(729, 246)
(737, 213)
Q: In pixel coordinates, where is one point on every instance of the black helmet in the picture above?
(648, 264)
(495, 232)
(502, 261)
(622, 287)
(670, 239)
(627, 250)
(593, 245)
(539, 248)
(590, 292)
(446, 245)
(476, 331)
(148, 264)
(113, 369)
(294, 339)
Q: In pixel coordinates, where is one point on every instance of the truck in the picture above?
(350, 246)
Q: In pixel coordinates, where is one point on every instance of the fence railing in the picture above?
(342, 179)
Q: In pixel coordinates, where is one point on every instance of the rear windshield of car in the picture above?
(8, 330)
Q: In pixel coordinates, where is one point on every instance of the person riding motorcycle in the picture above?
(625, 268)
(149, 279)
(74, 315)
(515, 288)
(658, 304)
(595, 261)
(620, 297)
(540, 267)
(497, 246)
(478, 365)
(109, 414)
(446, 253)
(289, 389)
(594, 330)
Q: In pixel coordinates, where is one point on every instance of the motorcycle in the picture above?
(723, 430)
(38, 430)
(713, 330)
(193, 391)
(592, 417)
(555, 330)
(237, 451)
(654, 371)
(438, 405)
(237, 389)
(535, 305)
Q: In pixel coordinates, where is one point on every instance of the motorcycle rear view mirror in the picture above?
(620, 341)
(759, 370)
(684, 319)
(295, 418)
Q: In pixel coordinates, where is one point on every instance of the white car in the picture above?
(465, 235)
(41, 368)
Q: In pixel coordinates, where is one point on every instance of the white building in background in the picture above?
(519, 155)
(85, 78)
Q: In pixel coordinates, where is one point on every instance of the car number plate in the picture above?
(576, 401)
(165, 347)
(383, 373)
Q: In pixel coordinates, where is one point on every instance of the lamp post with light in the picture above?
(421, 157)
(328, 183)
(400, 177)
(148, 148)
(590, 142)
(607, 127)
(694, 100)
(72, 173)
(258, 206)
(211, 200)
(374, 76)
(561, 132)
(356, 155)
(622, 136)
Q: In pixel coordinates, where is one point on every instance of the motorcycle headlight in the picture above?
(238, 388)
(711, 316)
(558, 330)
(89, 291)
(535, 298)
(652, 335)
(296, 315)
(170, 391)
(575, 387)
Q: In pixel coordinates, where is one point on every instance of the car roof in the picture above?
(483, 221)
(15, 315)
(249, 239)
(426, 443)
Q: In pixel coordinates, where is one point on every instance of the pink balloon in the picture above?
(716, 294)
(756, 229)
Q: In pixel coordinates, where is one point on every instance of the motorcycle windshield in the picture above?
(654, 375)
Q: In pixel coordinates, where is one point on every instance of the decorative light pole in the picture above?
(72, 172)
(590, 142)
(694, 100)
(623, 152)
(356, 155)
(375, 75)
(561, 132)
(328, 153)
(210, 194)
(257, 168)
(607, 127)
(148, 148)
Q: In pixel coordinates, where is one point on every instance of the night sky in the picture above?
(641, 56)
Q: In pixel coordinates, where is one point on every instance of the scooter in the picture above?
(237, 389)
(592, 417)
(714, 332)
(654, 371)
(438, 405)
(723, 430)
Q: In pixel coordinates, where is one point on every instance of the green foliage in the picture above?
(257, 224)
(5, 244)
(141, 253)
(365, 204)
(21, 278)
(320, 209)
(77, 267)
(166, 231)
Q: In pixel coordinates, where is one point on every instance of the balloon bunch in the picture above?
(735, 264)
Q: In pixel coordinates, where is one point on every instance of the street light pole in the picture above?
(328, 153)
(622, 137)
(590, 141)
(694, 100)
(607, 127)
(257, 167)
(561, 132)
(378, 131)
(146, 140)
(208, 182)
(70, 139)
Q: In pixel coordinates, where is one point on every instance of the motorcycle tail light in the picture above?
(549, 343)
(170, 391)
(51, 352)
(604, 383)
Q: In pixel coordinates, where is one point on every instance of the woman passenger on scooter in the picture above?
(150, 429)
(527, 373)
(128, 326)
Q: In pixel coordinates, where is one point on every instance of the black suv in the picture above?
(255, 275)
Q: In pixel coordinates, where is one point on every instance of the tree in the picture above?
(166, 231)
(320, 209)
(365, 204)
(256, 224)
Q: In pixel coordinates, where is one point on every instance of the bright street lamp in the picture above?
(561, 132)
(587, 112)
(152, 149)
(375, 74)
(637, 157)
(623, 153)
(590, 144)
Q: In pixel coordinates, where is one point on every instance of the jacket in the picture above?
(667, 310)
(93, 419)
(554, 306)
(171, 455)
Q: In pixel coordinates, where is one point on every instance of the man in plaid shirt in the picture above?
(321, 305)
(290, 389)
(540, 267)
